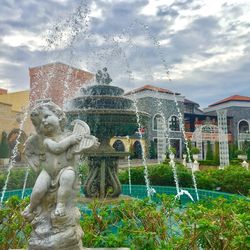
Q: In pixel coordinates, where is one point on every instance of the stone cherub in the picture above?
(54, 151)
(103, 77)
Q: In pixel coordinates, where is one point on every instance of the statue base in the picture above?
(52, 232)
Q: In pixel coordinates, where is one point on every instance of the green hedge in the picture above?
(161, 175)
(16, 178)
(209, 163)
(233, 179)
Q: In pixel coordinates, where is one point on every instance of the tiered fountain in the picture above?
(108, 113)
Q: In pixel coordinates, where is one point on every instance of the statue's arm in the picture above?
(63, 145)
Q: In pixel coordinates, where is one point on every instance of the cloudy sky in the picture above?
(199, 48)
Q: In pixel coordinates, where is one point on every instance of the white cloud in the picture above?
(152, 7)
(5, 61)
(95, 11)
(24, 38)
(199, 39)
(6, 84)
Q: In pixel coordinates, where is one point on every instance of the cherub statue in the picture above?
(103, 77)
(53, 151)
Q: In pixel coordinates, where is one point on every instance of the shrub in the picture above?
(209, 154)
(161, 175)
(16, 179)
(235, 162)
(233, 179)
(208, 162)
(153, 150)
(232, 151)
(14, 231)
(195, 151)
(146, 224)
(217, 153)
(4, 147)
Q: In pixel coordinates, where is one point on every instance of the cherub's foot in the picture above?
(28, 214)
(60, 209)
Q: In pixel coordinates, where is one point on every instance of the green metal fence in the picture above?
(140, 191)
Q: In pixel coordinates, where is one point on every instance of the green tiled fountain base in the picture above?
(140, 191)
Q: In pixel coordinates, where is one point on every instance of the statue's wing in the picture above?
(33, 151)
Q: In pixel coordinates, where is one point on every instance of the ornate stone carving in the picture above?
(53, 152)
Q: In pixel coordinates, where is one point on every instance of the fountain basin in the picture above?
(102, 90)
(109, 122)
(102, 102)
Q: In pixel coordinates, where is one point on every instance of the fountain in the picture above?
(109, 114)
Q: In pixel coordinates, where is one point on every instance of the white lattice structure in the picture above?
(213, 133)
(161, 139)
(204, 133)
(223, 138)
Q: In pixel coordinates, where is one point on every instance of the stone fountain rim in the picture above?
(103, 85)
(103, 97)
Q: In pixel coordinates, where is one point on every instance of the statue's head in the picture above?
(38, 111)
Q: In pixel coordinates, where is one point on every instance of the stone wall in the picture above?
(166, 107)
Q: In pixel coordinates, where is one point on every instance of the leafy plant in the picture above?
(217, 152)
(195, 151)
(209, 154)
(153, 150)
(4, 147)
(240, 152)
(16, 178)
(14, 231)
(146, 224)
(233, 179)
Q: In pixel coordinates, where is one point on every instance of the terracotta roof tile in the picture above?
(151, 88)
(232, 98)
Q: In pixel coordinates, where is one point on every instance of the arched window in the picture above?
(243, 127)
(174, 123)
(157, 118)
(119, 146)
(137, 150)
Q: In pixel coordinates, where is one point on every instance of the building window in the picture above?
(119, 146)
(174, 123)
(243, 126)
(137, 148)
(157, 118)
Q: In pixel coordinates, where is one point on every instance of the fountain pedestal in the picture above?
(102, 180)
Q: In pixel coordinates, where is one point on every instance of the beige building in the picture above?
(12, 117)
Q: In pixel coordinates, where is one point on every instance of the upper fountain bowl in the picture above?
(103, 90)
